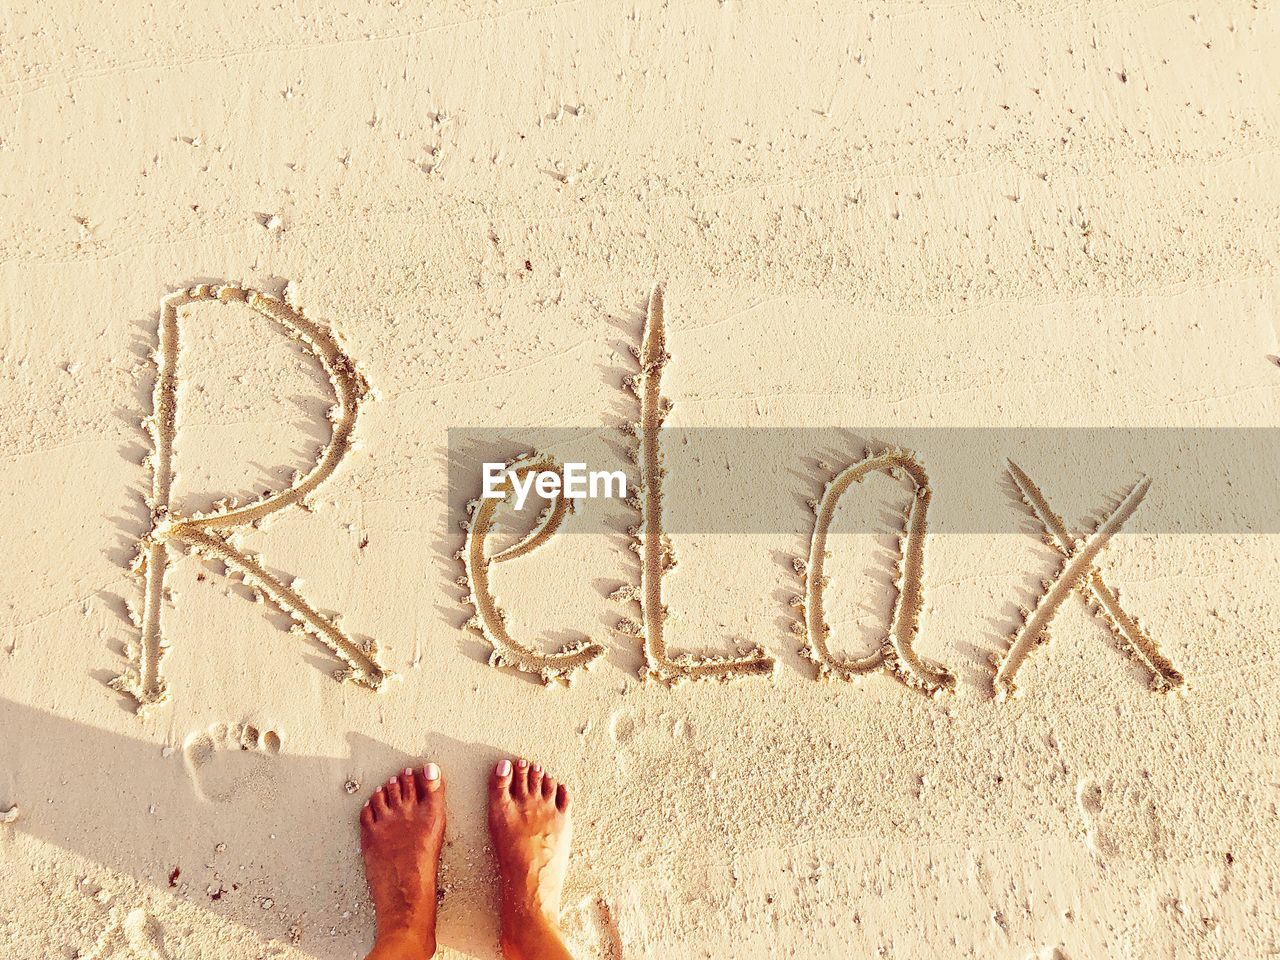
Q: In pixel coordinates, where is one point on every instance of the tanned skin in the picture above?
(402, 831)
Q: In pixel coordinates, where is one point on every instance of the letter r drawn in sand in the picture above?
(201, 532)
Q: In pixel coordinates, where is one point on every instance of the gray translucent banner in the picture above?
(762, 480)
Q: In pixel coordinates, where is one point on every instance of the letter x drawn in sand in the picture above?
(1078, 573)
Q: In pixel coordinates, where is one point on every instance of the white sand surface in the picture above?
(865, 215)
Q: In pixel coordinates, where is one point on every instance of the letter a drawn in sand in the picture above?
(490, 619)
(1078, 573)
(143, 680)
(651, 540)
(897, 653)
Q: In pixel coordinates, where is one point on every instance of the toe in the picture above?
(428, 780)
(520, 783)
(408, 786)
(535, 780)
(392, 789)
(500, 782)
(548, 788)
(562, 798)
(366, 815)
(378, 804)
(431, 775)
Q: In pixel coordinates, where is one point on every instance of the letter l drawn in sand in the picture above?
(651, 540)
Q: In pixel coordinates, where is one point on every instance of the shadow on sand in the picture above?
(262, 838)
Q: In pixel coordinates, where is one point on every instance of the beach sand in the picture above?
(863, 217)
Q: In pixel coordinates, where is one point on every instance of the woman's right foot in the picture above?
(401, 832)
(529, 824)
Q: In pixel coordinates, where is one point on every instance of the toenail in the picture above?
(537, 768)
(432, 771)
(504, 768)
(408, 771)
(522, 763)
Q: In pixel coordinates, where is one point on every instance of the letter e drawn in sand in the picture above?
(1077, 572)
(897, 653)
(652, 542)
(143, 679)
(490, 619)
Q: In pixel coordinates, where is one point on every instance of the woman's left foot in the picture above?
(401, 832)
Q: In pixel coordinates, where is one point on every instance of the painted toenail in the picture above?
(537, 768)
(504, 768)
(522, 763)
(408, 771)
(432, 771)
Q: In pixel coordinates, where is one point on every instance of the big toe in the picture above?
(429, 785)
(500, 782)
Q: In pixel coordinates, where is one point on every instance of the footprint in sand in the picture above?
(590, 927)
(228, 759)
(622, 728)
(1121, 822)
(136, 935)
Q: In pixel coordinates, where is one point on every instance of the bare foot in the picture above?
(401, 831)
(529, 823)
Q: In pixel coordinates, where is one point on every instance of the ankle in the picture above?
(402, 944)
(525, 905)
(528, 935)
